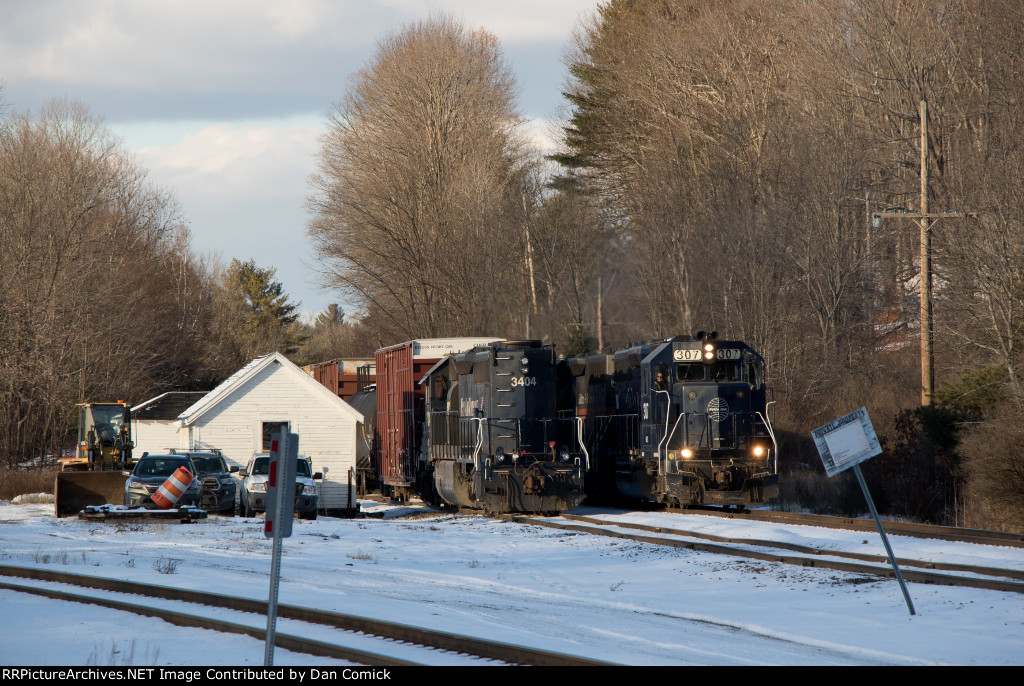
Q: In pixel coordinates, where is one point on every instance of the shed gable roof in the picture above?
(166, 405)
(237, 380)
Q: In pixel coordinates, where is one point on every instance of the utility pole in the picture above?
(927, 357)
(531, 311)
(927, 325)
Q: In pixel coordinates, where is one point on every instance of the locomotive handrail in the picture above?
(579, 437)
(668, 438)
(668, 411)
(775, 444)
(479, 441)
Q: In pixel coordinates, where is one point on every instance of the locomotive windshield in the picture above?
(725, 371)
(690, 371)
(719, 371)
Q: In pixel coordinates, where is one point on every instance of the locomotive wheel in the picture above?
(697, 492)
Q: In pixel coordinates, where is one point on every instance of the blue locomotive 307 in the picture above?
(684, 421)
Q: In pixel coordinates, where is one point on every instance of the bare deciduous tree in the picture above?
(92, 304)
(417, 205)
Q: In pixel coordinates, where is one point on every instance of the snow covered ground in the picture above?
(594, 596)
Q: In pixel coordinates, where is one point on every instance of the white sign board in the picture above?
(847, 441)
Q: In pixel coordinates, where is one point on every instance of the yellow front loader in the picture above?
(94, 475)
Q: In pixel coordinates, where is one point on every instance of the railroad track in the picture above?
(946, 533)
(875, 565)
(365, 641)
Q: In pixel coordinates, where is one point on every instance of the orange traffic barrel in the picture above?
(171, 490)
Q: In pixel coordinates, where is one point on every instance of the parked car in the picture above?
(218, 486)
(150, 472)
(254, 487)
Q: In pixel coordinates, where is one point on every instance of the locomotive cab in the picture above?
(705, 432)
(680, 421)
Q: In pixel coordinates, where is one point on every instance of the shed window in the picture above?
(272, 430)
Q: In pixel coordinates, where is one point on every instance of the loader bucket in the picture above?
(73, 491)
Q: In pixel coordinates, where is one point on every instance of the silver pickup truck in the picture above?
(254, 487)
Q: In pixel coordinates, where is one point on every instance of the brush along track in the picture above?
(452, 643)
(1008, 580)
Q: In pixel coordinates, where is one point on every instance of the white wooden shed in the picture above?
(269, 394)
(155, 425)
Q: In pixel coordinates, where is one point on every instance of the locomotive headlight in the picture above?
(758, 451)
(709, 351)
(564, 454)
(686, 453)
(499, 454)
(524, 362)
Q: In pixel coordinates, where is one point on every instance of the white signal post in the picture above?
(845, 443)
(284, 456)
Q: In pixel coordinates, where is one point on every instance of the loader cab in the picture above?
(95, 475)
(104, 433)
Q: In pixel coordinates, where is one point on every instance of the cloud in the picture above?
(223, 101)
(242, 187)
(523, 21)
(543, 134)
(132, 60)
(233, 148)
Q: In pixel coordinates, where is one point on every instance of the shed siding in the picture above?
(154, 436)
(327, 435)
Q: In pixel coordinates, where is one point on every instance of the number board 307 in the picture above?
(691, 355)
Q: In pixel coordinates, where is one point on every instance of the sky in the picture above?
(594, 596)
(223, 101)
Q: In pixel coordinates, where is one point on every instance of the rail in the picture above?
(1010, 581)
(506, 653)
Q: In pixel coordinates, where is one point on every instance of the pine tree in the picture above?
(264, 315)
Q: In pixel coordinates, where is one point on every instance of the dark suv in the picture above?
(150, 472)
(218, 486)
